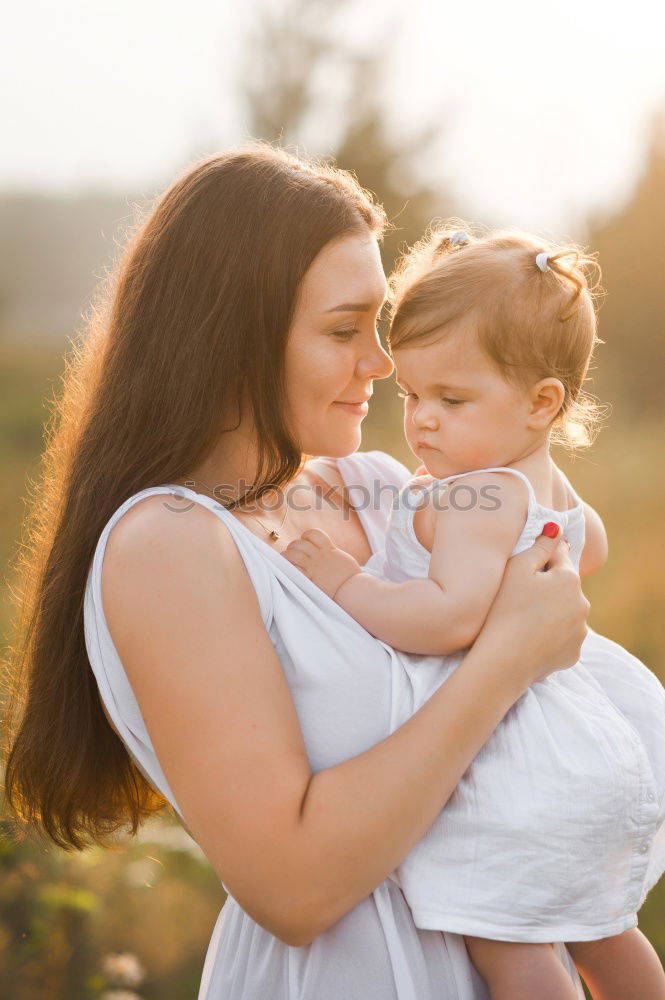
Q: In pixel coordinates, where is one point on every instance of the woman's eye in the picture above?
(346, 334)
(407, 395)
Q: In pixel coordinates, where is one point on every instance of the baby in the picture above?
(556, 831)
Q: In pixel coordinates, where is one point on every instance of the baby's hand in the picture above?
(326, 565)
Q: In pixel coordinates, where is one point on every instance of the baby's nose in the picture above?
(424, 417)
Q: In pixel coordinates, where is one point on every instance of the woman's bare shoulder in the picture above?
(160, 521)
(162, 538)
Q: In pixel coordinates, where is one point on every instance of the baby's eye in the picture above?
(451, 402)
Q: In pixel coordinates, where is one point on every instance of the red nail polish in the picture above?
(551, 529)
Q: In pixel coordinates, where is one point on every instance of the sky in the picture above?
(545, 110)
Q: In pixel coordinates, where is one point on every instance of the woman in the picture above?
(240, 339)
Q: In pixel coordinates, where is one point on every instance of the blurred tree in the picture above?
(309, 84)
(305, 77)
(630, 245)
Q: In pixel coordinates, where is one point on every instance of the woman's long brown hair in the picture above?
(196, 314)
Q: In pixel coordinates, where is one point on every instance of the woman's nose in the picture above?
(375, 363)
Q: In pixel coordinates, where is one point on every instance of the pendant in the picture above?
(274, 535)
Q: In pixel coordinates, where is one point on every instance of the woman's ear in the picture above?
(546, 399)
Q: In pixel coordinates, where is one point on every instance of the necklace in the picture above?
(273, 533)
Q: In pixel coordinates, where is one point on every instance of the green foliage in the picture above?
(44, 917)
(75, 925)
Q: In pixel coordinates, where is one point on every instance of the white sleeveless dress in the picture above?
(346, 687)
(556, 831)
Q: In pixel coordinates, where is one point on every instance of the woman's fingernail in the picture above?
(551, 529)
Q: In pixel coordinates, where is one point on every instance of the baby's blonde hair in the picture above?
(532, 324)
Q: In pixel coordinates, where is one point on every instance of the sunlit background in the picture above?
(543, 116)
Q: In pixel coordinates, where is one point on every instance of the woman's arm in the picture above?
(445, 611)
(296, 849)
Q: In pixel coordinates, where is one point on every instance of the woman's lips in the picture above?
(357, 409)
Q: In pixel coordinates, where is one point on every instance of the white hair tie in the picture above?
(541, 261)
(459, 237)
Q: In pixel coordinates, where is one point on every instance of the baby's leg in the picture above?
(620, 967)
(513, 970)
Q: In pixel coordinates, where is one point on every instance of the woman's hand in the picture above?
(325, 565)
(539, 612)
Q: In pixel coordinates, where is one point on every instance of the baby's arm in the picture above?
(594, 553)
(414, 616)
(444, 612)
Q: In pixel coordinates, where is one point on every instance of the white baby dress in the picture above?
(556, 832)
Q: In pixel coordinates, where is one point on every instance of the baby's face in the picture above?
(459, 412)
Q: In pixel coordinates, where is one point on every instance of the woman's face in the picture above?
(333, 352)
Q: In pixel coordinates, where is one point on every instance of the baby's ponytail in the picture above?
(447, 242)
(578, 274)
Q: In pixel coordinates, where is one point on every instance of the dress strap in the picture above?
(569, 486)
(405, 988)
(533, 503)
